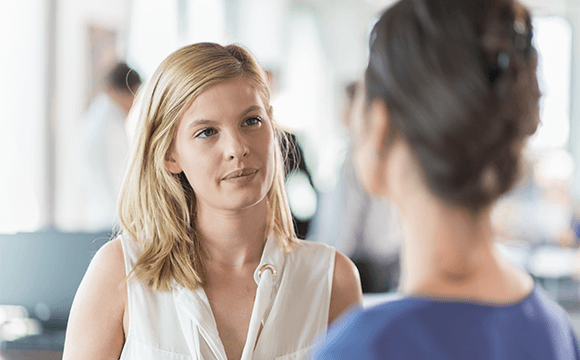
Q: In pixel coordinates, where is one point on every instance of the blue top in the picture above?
(437, 329)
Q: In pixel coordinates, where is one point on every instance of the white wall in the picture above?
(573, 15)
(73, 19)
(22, 114)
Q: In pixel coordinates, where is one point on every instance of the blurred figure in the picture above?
(365, 229)
(299, 185)
(540, 209)
(105, 146)
(451, 96)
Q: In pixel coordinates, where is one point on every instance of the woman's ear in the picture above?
(378, 122)
(171, 164)
(371, 130)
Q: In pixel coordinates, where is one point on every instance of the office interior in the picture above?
(55, 57)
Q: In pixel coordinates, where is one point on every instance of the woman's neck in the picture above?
(439, 246)
(233, 239)
(449, 253)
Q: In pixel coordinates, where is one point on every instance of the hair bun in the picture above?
(459, 79)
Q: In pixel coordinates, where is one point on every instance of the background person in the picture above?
(105, 147)
(451, 96)
(215, 270)
(360, 226)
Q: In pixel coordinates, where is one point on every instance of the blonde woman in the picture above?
(207, 265)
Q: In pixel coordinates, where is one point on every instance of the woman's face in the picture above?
(363, 155)
(369, 131)
(225, 144)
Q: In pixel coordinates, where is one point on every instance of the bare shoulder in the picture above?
(110, 257)
(95, 327)
(107, 269)
(346, 287)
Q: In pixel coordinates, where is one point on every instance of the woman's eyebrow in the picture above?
(200, 122)
(250, 109)
(211, 122)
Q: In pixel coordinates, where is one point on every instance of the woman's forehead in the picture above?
(236, 96)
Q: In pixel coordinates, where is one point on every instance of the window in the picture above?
(22, 115)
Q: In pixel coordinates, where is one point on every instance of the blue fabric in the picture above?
(418, 328)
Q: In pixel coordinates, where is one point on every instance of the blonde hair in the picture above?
(157, 209)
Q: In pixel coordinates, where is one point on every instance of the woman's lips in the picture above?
(240, 173)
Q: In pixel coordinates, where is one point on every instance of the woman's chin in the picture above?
(247, 202)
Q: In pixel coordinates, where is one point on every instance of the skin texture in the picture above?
(226, 129)
(446, 252)
(95, 327)
(213, 142)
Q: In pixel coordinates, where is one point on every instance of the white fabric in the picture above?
(292, 307)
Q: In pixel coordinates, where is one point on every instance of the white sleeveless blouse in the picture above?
(292, 305)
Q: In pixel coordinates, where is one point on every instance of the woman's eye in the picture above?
(252, 121)
(206, 133)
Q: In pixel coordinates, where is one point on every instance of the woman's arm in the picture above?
(95, 325)
(346, 287)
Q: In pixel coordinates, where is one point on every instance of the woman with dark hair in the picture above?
(450, 98)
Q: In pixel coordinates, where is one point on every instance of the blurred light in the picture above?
(554, 165)
(14, 323)
(18, 328)
(153, 35)
(381, 3)
(206, 22)
(13, 330)
(301, 196)
(517, 255)
(304, 78)
(14, 193)
(553, 41)
(22, 118)
(553, 262)
(42, 311)
(9, 312)
(374, 299)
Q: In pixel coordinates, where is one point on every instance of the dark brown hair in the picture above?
(458, 78)
(123, 78)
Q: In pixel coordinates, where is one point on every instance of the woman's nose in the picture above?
(236, 147)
